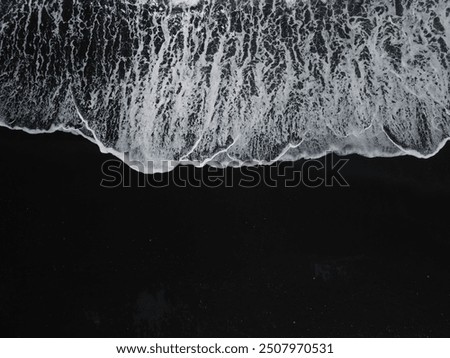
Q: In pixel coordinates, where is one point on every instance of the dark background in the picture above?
(78, 260)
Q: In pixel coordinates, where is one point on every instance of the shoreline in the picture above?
(80, 260)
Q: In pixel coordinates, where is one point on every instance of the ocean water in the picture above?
(230, 82)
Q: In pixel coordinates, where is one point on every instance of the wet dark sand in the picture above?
(78, 260)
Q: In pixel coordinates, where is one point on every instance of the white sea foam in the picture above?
(185, 2)
(241, 81)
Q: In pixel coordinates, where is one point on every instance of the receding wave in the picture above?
(236, 81)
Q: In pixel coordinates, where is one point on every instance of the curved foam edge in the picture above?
(227, 160)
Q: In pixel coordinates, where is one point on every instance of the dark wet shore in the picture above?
(78, 260)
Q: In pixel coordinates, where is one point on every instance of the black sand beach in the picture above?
(79, 260)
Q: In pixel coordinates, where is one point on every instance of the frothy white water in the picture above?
(185, 2)
(249, 81)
